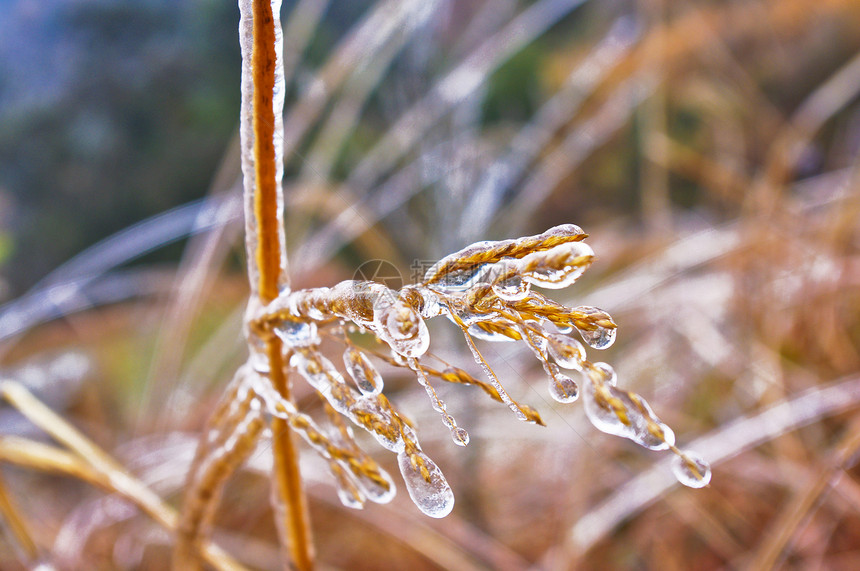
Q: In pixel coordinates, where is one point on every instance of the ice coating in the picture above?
(512, 289)
(297, 333)
(558, 267)
(363, 372)
(426, 484)
(625, 414)
(493, 251)
(402, 327)
(485, 290)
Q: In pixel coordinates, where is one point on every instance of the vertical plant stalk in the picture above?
(262, 166)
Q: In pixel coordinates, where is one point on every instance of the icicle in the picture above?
(491, 376)
(362, 371)
(596, 334)
(426, 484)
(691, 470)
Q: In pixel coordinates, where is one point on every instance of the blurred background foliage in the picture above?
(710, 148)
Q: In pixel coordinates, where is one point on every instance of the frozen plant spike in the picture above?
(486, 290)
(362, 371)
(426, 484)
(491, 252)
(691, 469)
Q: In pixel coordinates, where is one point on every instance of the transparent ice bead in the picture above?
(433, 497)
(562, 388)
(691, 470)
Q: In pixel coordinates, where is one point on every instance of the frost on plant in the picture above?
(486, 291)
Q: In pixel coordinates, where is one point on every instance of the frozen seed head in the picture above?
(486, 291)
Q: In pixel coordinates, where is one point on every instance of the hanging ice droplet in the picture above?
(563, 389)
(598, 338)
(595, 326)
(426, 484)
(512, 289)
(362, 371)
(297, 333)
(568, 353)
(460, 436)
(691, 470)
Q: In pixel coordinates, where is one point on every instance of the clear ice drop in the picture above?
(460, 436)
(562, 388)
(691, 470)
(433, 497)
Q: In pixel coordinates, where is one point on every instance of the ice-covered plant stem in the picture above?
(237, 423)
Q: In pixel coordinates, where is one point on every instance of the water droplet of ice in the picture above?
(426, 484)
(460, 436)
(568, 353)
(297, 333)
(368, 406)
(691, 470)
(512, 289)
(362, 371)
(598, 338)
(563, 389)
